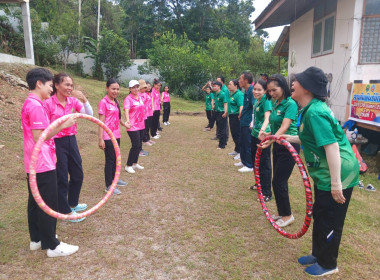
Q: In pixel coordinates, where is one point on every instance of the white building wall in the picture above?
(340, 63)
(126, 75)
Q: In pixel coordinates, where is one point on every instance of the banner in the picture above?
(365, 104)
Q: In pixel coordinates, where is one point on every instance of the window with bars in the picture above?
(324, 27)
(370, 33)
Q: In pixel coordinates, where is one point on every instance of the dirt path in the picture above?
(188, 215)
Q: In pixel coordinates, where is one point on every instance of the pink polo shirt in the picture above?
(166, 96)
(110, 111)
(156, 99)
(143, 97)
(34, 117)
(55, 110)
(136, 112)
(148, 104)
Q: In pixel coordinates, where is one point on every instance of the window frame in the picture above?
(323, 21)
(364, 16)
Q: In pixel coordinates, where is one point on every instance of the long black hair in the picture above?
(236, 83)
(111, 81)
(281, 82)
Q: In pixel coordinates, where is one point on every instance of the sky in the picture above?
(274, 32)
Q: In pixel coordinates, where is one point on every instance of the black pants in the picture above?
(245, 146)
(166, 115)
(110, 164)
(42, 227)
(69, 161)
(211, 118)
(221, 129)
(135, 137)
(235, 130)
(265, 166)
(328, 224)
(155, 122)
(148, 124)
(283, 164)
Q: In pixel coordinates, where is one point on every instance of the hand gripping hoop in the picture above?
(33, 163)
(306, 182)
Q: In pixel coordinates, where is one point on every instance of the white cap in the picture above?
(133, 83)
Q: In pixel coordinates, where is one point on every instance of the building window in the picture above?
(370, 39)
(324, 26)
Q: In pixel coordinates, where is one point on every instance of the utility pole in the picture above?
(98, 28)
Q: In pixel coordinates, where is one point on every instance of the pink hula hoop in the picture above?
(306, 182)
(33, 162)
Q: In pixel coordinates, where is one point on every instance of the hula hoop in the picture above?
(306, 182)
(33, 162)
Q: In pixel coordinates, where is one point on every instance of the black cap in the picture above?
(314, 80)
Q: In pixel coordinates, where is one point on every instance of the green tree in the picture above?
(113, 53)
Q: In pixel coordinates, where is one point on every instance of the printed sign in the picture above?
(365, 104)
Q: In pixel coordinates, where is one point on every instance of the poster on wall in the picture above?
(365, 104)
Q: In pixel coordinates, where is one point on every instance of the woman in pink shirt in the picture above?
(69, 160)
(156, 107)
(134, 110)
(165, 99)
(34, 119)
(148, 102)
(110, 114)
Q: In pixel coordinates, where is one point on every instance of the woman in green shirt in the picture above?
(283, 120)
(235, 106)
(209, 108)
(332, 166)
(261, 110)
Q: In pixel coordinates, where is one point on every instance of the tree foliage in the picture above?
(113, 53)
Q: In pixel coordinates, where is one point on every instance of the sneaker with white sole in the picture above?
(137, 166)
(75, 220)
(121, 183)
(156, 137)
(237, 157)
(281, 223)
(307, 260)
(165, 123)
(370, 188)
(239, 164)
(115, 191)
(275, 217)
(129, 169)
(168, 123)
(317, 270)
(35, 245)
(245, 169)
(62, 250)
(234, 153)
(79, 207)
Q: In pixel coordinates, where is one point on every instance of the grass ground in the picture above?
(188, 215)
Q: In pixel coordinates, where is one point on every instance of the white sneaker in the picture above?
(168, 123)
(237, 157)
(282, 224)
(234, 153)
(165, 123)
(156, 137)
(35, 245)
(245, 169)
(129, 169)
(137, 166)
(62, 250)
(239, 164)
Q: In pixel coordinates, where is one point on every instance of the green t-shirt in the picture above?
(259, 109)
(319, 127)
(236, 100)
(220, 98)
(288, 109)
(209, 97)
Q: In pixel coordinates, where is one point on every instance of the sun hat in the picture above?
(314, 80)
(133, 83)
(142, 83)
